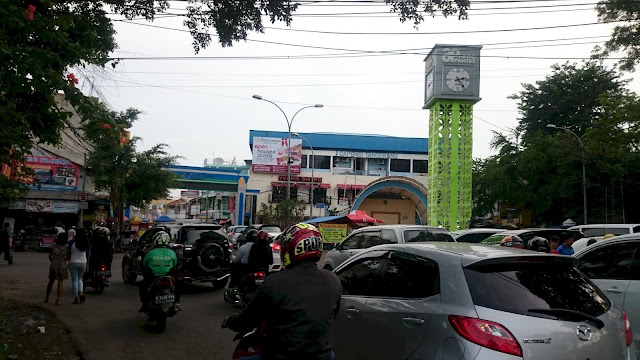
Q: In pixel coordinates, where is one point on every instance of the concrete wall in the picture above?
(392, 211)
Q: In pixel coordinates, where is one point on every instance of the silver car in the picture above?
(467, 301)
(614, 266)
(369, 236)
(474, 235)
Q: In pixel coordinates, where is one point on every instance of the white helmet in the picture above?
(161, 238)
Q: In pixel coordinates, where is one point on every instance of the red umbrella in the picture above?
(360, 216)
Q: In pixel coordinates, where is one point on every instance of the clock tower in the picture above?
(452, 86)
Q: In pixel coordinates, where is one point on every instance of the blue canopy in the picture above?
(323, 219)
(163, 218)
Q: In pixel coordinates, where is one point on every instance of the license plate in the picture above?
(163, 299)
(103, 273)
(259, 282)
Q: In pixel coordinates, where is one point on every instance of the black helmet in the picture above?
(252, 235)
(539, 244)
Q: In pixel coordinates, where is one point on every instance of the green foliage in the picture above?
(38, 46)
(540, 169)
(276, 213)
(625, 37)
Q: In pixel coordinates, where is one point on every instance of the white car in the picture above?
(233, 232)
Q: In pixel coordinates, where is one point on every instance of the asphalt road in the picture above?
(108, 326)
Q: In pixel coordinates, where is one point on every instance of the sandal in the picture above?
(82, 298)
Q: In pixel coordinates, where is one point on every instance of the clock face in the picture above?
(429, 85)
(458, 79)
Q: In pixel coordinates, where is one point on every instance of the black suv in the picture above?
(203, 250)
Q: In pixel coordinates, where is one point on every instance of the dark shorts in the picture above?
(53, 276)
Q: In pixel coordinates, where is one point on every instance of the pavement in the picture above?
(109, 327)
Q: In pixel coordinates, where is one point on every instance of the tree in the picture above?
(276, 213)
(131, 177)
(626, 36)
(540, 169)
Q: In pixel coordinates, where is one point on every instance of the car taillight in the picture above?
(628, 332)
(276, 248)
(259, 274)
(179, 249)
(103, 268)
(486, 333)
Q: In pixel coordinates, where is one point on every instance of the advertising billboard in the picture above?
(270, 155)
(52, 173)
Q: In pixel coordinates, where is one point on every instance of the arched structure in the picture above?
(403, 186)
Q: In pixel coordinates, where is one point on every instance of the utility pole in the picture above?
(84, 181)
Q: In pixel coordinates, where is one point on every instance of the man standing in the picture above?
(5, 243)
(566, 249)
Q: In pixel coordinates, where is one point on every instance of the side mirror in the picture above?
(338, 246)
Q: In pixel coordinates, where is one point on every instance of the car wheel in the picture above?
(128, 276)
(219, 284)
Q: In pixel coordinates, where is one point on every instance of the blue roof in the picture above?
(323, 219)
(353, 142)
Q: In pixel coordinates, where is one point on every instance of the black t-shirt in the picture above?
(4, 238)
(260, 255)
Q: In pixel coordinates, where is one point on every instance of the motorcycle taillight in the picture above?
(103, 268)
(259, 274)
(164, 282)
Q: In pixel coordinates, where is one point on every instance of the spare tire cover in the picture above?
(211, 257)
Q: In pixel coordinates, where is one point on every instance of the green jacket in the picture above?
(160, 260)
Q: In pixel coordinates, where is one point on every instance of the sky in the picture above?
(203, 107)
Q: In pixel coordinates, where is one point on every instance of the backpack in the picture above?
(260, 255)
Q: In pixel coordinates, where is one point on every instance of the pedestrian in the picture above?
(59, 229)
(554, 243)
(79, 253)
(71, 234)
(5, 243)
(58, 255)
(566, 249)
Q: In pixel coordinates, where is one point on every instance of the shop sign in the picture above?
(33, 205)
(365, 154)
(270, 155)
(316, 180)
(65, 207)
(52, 173)
(333, 233)
(185, 194)
(83, 206)
(18, 205)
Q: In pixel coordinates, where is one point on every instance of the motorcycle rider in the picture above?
(101, 249)
(513, 241)
(297, 305)
(240, 263)
(160, 260)
(5, 242)
(260, 254)
(539, 244)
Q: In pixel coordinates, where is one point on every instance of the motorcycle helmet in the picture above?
(512, 241)
(252, 235)
(263, 235)
(539, 244)
(301, 242)
(161, 238)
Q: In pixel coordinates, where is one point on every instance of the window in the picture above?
(322, 162)
(475, 238)
(420, 166)
(303, 162)
(609, 262)
(371, 238)
(352, 243)
(361, 277)
(359, 164)
(319, 196)
(519, 287)
(388, 236)
(401, 165)
(410, 276)
(278, 194)
(420, 235)
(201, 235)
(590, 232)
(342, 162)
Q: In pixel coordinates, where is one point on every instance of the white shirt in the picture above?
(59, 230)
(242, 256)
(77, 256)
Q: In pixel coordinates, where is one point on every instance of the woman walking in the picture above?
(78, 259)
(57, 269)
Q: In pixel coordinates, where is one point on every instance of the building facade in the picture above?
(340, 167)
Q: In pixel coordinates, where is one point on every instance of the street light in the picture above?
(258, 97)
(584, 171)
(313, 163)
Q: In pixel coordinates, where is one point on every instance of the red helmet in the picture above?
(301, 242)
(263, 235)
(512, 241)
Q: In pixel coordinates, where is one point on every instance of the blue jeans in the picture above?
(77, 270)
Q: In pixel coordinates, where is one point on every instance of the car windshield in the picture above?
(271, 229)
(422, 235)
(239, 229)
(520, 287)
(194, 235)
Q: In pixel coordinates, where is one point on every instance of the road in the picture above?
(108, 326)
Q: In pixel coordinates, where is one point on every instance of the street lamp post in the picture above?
(312, 166)
(289, 123)
(584, 171)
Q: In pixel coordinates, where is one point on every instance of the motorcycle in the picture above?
(98, 279)
(249, 344)
(18, 242)
(162, 303)
(246, 291)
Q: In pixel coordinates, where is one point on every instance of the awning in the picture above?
(360, 216)
(282, 184)
(351, 187)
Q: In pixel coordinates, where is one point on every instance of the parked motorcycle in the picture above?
(249, 344)
(247, 289)
(162, 302)
(18, 241)
(98, 279)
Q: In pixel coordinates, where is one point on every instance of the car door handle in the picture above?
(351, 311)
(614, 290)
(412, 321)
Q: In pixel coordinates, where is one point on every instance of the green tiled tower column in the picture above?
(450, 163)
